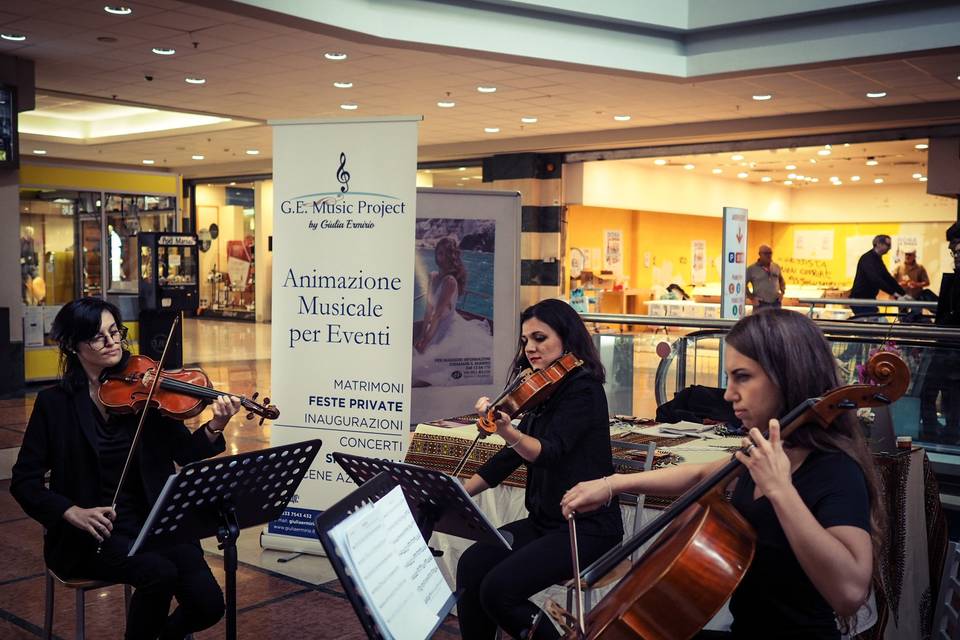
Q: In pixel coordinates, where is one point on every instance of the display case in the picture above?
(168, 271)
(126, 217)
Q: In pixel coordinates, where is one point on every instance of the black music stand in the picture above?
(371, 491)
(438, 501)
(219, 497)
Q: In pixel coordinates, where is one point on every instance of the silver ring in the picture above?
(750, 446)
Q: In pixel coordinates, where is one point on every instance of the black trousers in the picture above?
(178, 571)
(497, 583)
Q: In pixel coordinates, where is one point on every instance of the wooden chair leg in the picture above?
(127, 594)
(80, 632)
(48, 606)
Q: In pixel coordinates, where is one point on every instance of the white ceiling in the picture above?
(258, 70)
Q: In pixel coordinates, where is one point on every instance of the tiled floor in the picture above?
(275, 599)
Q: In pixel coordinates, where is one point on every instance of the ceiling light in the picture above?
(195, 80)
(461, 168)
(878, 180)
(233, 184)
(876, 94)
(491, 129)
(148, 161)
(119, 10)
(689, 167)
(253, 152)
(837, 183)
(13, 37)
(621, 118)
(742, 174)
(834, 178)
(40, 152)
(790, 167)
(813, 161)
(736, 156)
(164, 51)
(343, 85)
(483, 89)
(717, 170)
(788, 182)
(921, 146)
(528, 120)
(762, 96)
(824, 152)
(349, 106)
(854, 178)
(660, 162)
(335, 55)
(766, 179)
(872, 162)
(923, 179)
(916, 176)
(446, 104)
(197, 157)
(793, 176)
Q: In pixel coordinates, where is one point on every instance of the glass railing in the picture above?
(649, 358)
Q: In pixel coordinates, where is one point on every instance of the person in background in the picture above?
(872, 277)
(764, 281)
(911, 275)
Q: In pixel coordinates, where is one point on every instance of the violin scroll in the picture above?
(266, 411)
(886, 369)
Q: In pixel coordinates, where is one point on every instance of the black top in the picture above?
(948, 306)
(61, 438)
(573, 428)
(775, 592)
(114, 436)
(872, 277)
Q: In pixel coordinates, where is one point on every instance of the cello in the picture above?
(705, 546)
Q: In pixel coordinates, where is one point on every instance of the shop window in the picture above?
(126, 216)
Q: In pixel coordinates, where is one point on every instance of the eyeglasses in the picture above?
(955, 252)
(99, 341)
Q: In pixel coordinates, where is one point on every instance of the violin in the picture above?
(524, 392)
(706, 546)
(181, 393)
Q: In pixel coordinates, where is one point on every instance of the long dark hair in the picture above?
(796, 357)
(561, 317)
(78, 321)
(447, 256)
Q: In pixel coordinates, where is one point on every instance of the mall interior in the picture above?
(628, 128)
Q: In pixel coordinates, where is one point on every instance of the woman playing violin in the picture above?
(84, 449)
(813, 498)
(563, 441)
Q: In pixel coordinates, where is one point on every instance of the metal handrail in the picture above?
(868, 302)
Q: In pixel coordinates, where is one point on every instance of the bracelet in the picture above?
(606, 480)
(212, 432)
(511, 446)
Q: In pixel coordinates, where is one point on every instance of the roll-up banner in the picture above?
(343, 262)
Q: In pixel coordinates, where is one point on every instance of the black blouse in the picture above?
(573, 428)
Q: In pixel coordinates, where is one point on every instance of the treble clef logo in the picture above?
(343, 176)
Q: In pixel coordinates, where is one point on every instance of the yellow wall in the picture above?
(99, 179)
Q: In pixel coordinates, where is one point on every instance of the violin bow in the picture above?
(136, 435)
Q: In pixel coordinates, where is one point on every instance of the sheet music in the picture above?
(384, 551)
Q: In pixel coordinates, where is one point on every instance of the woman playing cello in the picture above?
(562, 441)
(84, 449)
(813, 498)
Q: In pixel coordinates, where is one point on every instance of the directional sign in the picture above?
(734, 269)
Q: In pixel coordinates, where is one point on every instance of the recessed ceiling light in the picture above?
(148, 161)
(491, 129)
(621, 118)
(766, 179)
(790, 167)
(876, 94)
(742, 174)
(197, 157)
(349, 106)
(335, 55)
(40, 152)
(854, 178)
(872, 162)
(164, 51)
(793, 176)
(921, 146)
(528, 120)
(343, 85)
(446, 104)
(837, 183)
(118, 10)
(461, 168)
(195, 80)
(717, 170)
(878, 180)
(788, 182)
(813, 161)
(737, 156)
(762, 96)
(689, 167)
(253, 152)
(916, 176)
(483, 89)
(834, 178)
(923, 179)
(13, 37)
(233, 184)
(660, 162)
(824, 152)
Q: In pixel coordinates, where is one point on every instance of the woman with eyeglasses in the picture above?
(83, 448)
